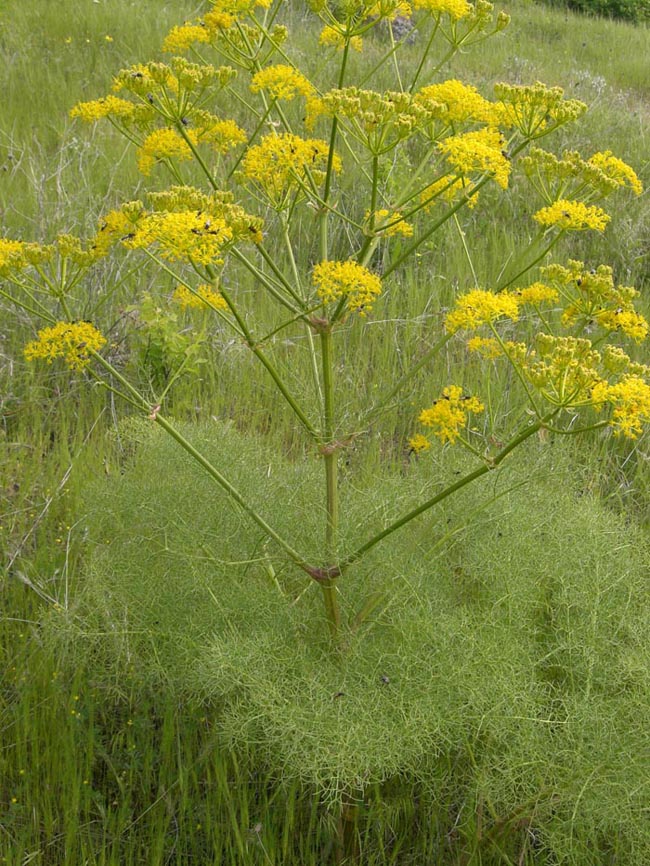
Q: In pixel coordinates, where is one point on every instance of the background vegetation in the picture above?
(627, 10)
(103, 769)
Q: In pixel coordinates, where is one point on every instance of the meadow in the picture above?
(106, 760)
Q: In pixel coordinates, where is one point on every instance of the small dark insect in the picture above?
(128, 237)
(196, 231)
(385, 680)
(185, 121)
(207, 225)
(150, 98)
(338, 695)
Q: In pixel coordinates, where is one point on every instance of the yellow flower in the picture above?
(182, 235)
(449, 413)
(630, 399)
(72, 341)
(480, 307)
(537, 293)
(162, 144)
(456, 9)
(12, 256)
(480, 151)
(204, 296)
(333, 37)
(617, 170)
(336, 280)
(183, 36)
(419, 443)
(455, 102)
(566, 371)
(572, 216)
(630, 322)
(487, 347)
(107, 106)
(282, 82)
(238, 7)
(280, 162)
(223, 135)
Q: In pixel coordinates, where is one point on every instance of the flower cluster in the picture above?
(182, 236)
(281, 163)
(479, 151)
(72, 341)
(379, 120)
(618, 171)
(571, 176)
(201, 298)
(572, 216)
(163, 144)
(453, 102)
(592, 296)
(334, 37)
(282, 82)
(480, 307)
(221, 135)
(535, 110)
(215, 205)
(630, 402)
(120, 111)
(446, 417)
(448, 188)
(12, 256)
(349, 280)
(455, 9)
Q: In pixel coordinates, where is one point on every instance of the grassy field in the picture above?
(99, 765)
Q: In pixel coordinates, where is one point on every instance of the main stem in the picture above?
(330, 456)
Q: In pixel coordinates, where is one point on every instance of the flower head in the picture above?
(480, 151)
(618, 171)
(480, 307)
(282, 82)
(72, 341)
(630, 401)
(456, 9)
(182, 235)
(572, 216)
(281, 162)
(202, 298)
(336, 280)
(162, 144)
(448, 415)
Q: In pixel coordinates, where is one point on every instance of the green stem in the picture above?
(330, 457)
(266, 282)
(26, 307)
(439, 497)
(425, 54)
(310, 335)
(545, 251)
(208, 174)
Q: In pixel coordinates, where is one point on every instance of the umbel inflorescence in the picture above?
(258, 152)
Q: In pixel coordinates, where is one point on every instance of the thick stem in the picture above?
(268, 365)
(330, 457)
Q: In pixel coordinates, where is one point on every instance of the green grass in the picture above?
(99, 765)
